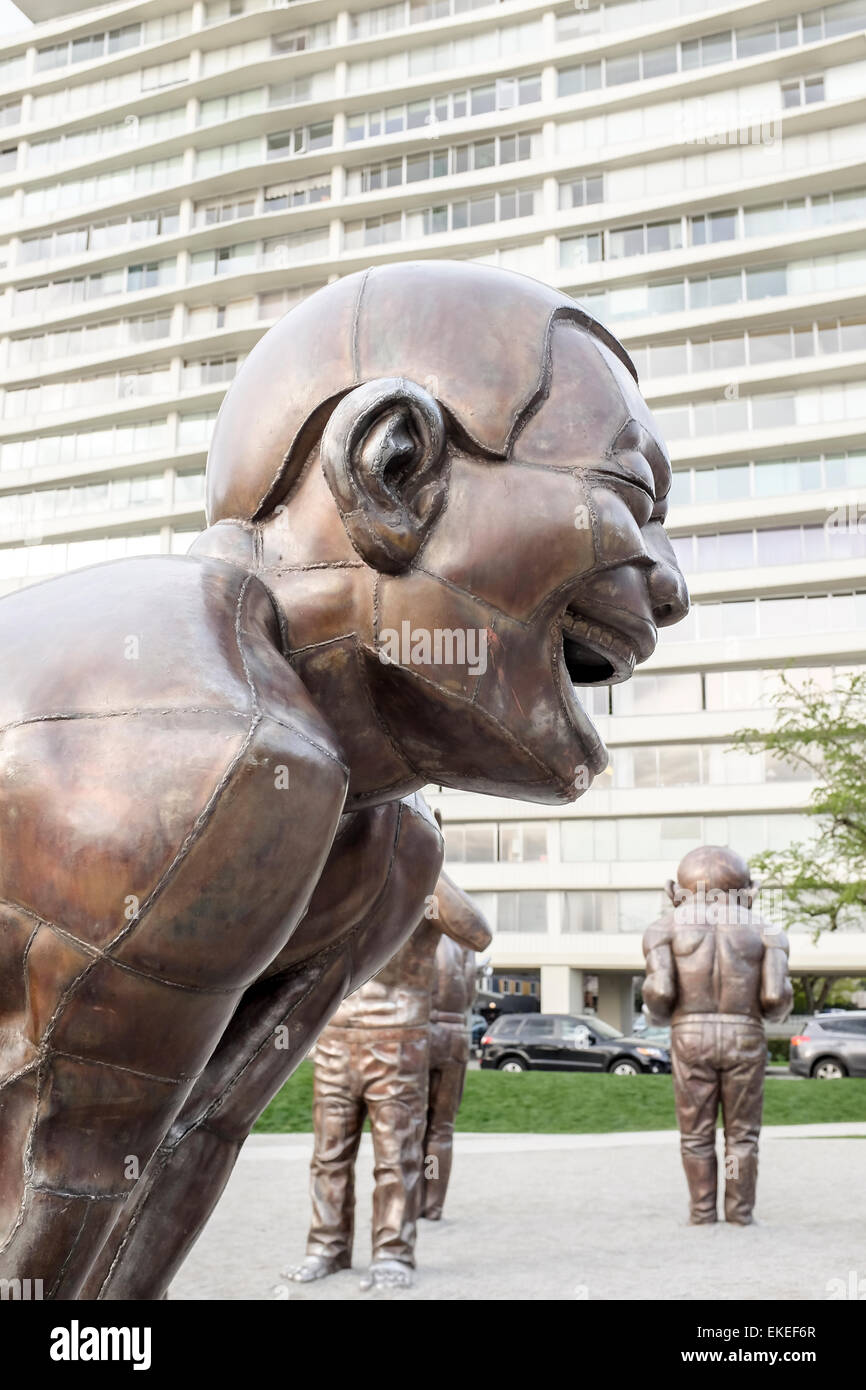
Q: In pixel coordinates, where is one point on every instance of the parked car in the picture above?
(831, 1046)
(567, 1042)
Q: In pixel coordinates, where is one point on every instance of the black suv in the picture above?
(567, 1042)
(831, 1046)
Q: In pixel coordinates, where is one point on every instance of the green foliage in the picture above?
(822, 881)
(544, 1102)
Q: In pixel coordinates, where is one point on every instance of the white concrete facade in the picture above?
(172, 178)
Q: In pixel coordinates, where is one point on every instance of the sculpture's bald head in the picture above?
(464, 451)
(714, 867)
(477, 339)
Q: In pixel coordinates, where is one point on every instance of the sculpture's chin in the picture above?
(591, 756)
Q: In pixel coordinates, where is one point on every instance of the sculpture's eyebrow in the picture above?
(635, 438)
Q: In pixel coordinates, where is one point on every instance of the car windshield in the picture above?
(602, 1029)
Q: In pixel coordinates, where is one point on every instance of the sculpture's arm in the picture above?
(660, 985)
(459, 918)
(398, 849)
(777, 994)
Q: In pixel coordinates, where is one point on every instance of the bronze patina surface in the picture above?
(440, 451)
(453, 993)
(373, 1062)
(715, 971)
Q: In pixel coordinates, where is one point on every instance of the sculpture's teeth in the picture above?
(611, 643)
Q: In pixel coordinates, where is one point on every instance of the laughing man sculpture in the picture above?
(447, 445)
(373, 1062)
(715, 970)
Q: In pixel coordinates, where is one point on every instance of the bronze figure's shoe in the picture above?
(388, 1274)
(314, 1267)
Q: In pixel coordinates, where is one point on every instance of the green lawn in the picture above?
(579, 1103)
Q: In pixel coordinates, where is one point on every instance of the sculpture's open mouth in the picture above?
(595, 654)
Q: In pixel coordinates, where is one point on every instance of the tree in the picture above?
(820, 881)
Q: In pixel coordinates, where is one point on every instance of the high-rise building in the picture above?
(173, 178)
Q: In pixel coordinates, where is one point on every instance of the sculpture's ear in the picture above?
(383, 455)
(674, 893)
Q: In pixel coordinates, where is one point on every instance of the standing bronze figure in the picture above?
(453, 993)
(715, 970)
(435, 500)
(373, 1062)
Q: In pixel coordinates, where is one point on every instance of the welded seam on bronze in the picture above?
(490, 629)
(25, 975)
(75, 984)
(361, 800)
(25, 1195)
(131, 1071)
(98, 954)
(191, 838)
(314, 565)
(274, 718)
(71, 716)
(316, 966)
(377, 579)
(278, 611)
(326, 642)
(414, 674)
(567, 586)
(81, 1196)
(356, 326)
(377, 713)
(73, 1247)
(22, 1071)
(305, 738)
(539, 393)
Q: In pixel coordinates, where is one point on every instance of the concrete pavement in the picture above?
(564, 1217)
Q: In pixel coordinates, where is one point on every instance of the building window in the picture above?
(523, 842)
(521, 912)
(470, 844)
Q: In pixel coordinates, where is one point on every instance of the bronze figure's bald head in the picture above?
(714, 866)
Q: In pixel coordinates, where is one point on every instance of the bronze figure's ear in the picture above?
(383, 455)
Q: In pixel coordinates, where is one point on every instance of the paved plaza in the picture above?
(560, 1217)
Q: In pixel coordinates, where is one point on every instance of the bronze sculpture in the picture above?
(438, 447)
(382, 866)
(715, 969)
(453, 993)
(373, 1061)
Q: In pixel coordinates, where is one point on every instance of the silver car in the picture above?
(831, 1046)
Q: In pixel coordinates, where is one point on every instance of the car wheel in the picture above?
(624, 1067)
(828, 1069)
(512, 1064)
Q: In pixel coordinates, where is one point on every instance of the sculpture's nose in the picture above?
(669, 596)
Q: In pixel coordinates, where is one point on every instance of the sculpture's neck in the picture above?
(326, 615)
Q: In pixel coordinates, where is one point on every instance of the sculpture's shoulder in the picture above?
(154, 634)
(773, 938)
(659, 933)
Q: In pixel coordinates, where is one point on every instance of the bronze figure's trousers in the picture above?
(719, 1058)
(449, 1058)
(383, 1074)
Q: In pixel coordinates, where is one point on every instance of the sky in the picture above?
(11, 18)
